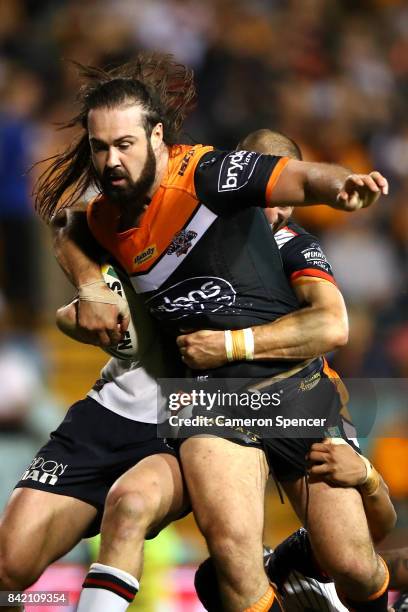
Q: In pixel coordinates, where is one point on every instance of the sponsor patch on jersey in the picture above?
(146, 255)
(236, 170)
(181, 243)
(185, 162)
(314, 256)
(197, 295)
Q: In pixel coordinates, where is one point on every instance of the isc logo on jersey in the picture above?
(236, 170)
(141, 332)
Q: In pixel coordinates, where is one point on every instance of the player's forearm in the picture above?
(75, 249)
(380, 512)
(303, 183)
(323, 183)
(304, 334)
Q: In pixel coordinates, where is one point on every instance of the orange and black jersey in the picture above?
(203, 254)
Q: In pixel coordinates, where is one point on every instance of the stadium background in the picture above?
(331, 74)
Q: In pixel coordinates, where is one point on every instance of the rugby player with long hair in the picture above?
(172, 214)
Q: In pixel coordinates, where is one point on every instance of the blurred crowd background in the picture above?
(331, 74)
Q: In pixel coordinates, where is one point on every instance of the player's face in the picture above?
(278, 216)
(122, 154)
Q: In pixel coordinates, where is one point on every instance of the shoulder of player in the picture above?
(183, 161)
(98, 202)
(100, 208)
(293, 233)
(102, 217)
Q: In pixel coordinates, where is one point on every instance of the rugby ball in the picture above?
(140, 334)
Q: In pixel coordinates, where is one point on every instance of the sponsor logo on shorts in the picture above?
(146, 255)
(236, 170)
(310, 382)
(45, 471)
(181, 243)
(198, 295)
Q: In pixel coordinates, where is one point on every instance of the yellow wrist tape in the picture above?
(239, 344)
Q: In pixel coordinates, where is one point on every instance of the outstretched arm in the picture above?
(230, 180)
(303, 183)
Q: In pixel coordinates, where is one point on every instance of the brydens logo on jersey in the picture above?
(198, 295)
(44, 470)
(236, 170)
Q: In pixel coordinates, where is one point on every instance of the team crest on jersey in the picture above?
(181, 243)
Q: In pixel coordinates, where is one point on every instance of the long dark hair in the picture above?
(164, 89)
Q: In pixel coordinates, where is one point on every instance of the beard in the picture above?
(133, 194)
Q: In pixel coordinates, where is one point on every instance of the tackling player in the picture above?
(165, 207)
(292, 566)
(320, 324)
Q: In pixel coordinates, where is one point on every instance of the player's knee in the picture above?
(226, 544)
(16, 572)
(132, 511)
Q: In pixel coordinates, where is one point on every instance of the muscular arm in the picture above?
(76, 251)
(304, 183)
(317, 328)
(341, 465)
(380, 512)
(100, 318)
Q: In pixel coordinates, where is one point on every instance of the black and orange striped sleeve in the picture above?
(303, 258)
(227, 180)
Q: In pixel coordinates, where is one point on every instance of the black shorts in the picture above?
(91, 448)
(311, 395)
